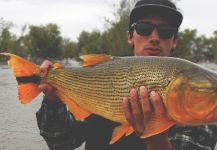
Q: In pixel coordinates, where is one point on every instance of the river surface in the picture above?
(18, 127)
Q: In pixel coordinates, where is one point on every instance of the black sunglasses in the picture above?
(145, 29)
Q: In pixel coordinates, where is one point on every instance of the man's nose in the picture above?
(154, 35)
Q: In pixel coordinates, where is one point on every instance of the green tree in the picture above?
(201, 48)
(116, 34)
(114, 39)
(69, 49)
(193, 47)
(213, 47)
(185, 44)
(44, 41)
(10, 43)
(90, 43)
(7, 39)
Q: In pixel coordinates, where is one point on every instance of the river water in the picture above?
(18, 127)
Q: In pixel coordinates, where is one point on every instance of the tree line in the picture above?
(45, 41)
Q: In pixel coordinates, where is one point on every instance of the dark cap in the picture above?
(164, 8)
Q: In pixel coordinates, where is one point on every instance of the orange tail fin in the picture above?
(25, 73)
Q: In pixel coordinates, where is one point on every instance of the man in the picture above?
(153, 31)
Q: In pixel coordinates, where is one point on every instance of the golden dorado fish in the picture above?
(188, 91)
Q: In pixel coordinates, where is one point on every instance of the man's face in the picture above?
(152, 45)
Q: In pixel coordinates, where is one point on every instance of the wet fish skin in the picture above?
(188, 91)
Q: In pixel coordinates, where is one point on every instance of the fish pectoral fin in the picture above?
(75, 109)
(158, 124)
(93, 59)
(119, 131)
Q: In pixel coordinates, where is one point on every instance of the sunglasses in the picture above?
(145, 29)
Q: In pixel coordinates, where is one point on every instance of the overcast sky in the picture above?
(74, 16)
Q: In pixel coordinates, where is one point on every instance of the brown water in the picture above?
(18, 127)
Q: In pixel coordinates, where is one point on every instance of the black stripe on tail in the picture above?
(28, 79)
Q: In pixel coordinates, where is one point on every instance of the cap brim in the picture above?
(174, 16)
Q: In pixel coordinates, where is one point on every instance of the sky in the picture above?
(74, 16)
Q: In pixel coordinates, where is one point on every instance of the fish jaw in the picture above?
(191, 98)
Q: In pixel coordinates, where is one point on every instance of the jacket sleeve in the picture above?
(58, 127)
(197, 137)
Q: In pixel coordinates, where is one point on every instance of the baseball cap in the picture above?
(164, 8)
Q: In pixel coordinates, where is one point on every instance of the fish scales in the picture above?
(101, 88)
(101, 91)
(188, 91)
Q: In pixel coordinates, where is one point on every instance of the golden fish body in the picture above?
(188, 91)
(101, 88)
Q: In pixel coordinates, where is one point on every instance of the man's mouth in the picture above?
(153, 50)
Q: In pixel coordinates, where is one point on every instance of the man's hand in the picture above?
(47, 89)
(139, 110)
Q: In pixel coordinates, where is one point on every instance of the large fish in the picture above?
(188, 91)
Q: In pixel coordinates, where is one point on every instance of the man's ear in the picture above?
(174, 43)
(130, 38)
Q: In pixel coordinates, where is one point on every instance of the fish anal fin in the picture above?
(93, 59)
(27, 92)
(158, 124)
(74, 108)
(129, 131)
(119, 131)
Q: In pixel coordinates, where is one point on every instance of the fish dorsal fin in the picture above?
(57, 65)
(119, 131)
(75, 109)
(93, 59)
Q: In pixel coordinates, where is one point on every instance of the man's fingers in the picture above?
(43, 72)
(46, 64)
(46, 88)
(49, 91)
(142, 107)
(45, 67)
(146, 105)
(137, 110)
(127, 111)
(157, 103)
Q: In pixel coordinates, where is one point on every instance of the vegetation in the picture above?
(45, 41)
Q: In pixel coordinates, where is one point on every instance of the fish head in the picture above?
(191, 98)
